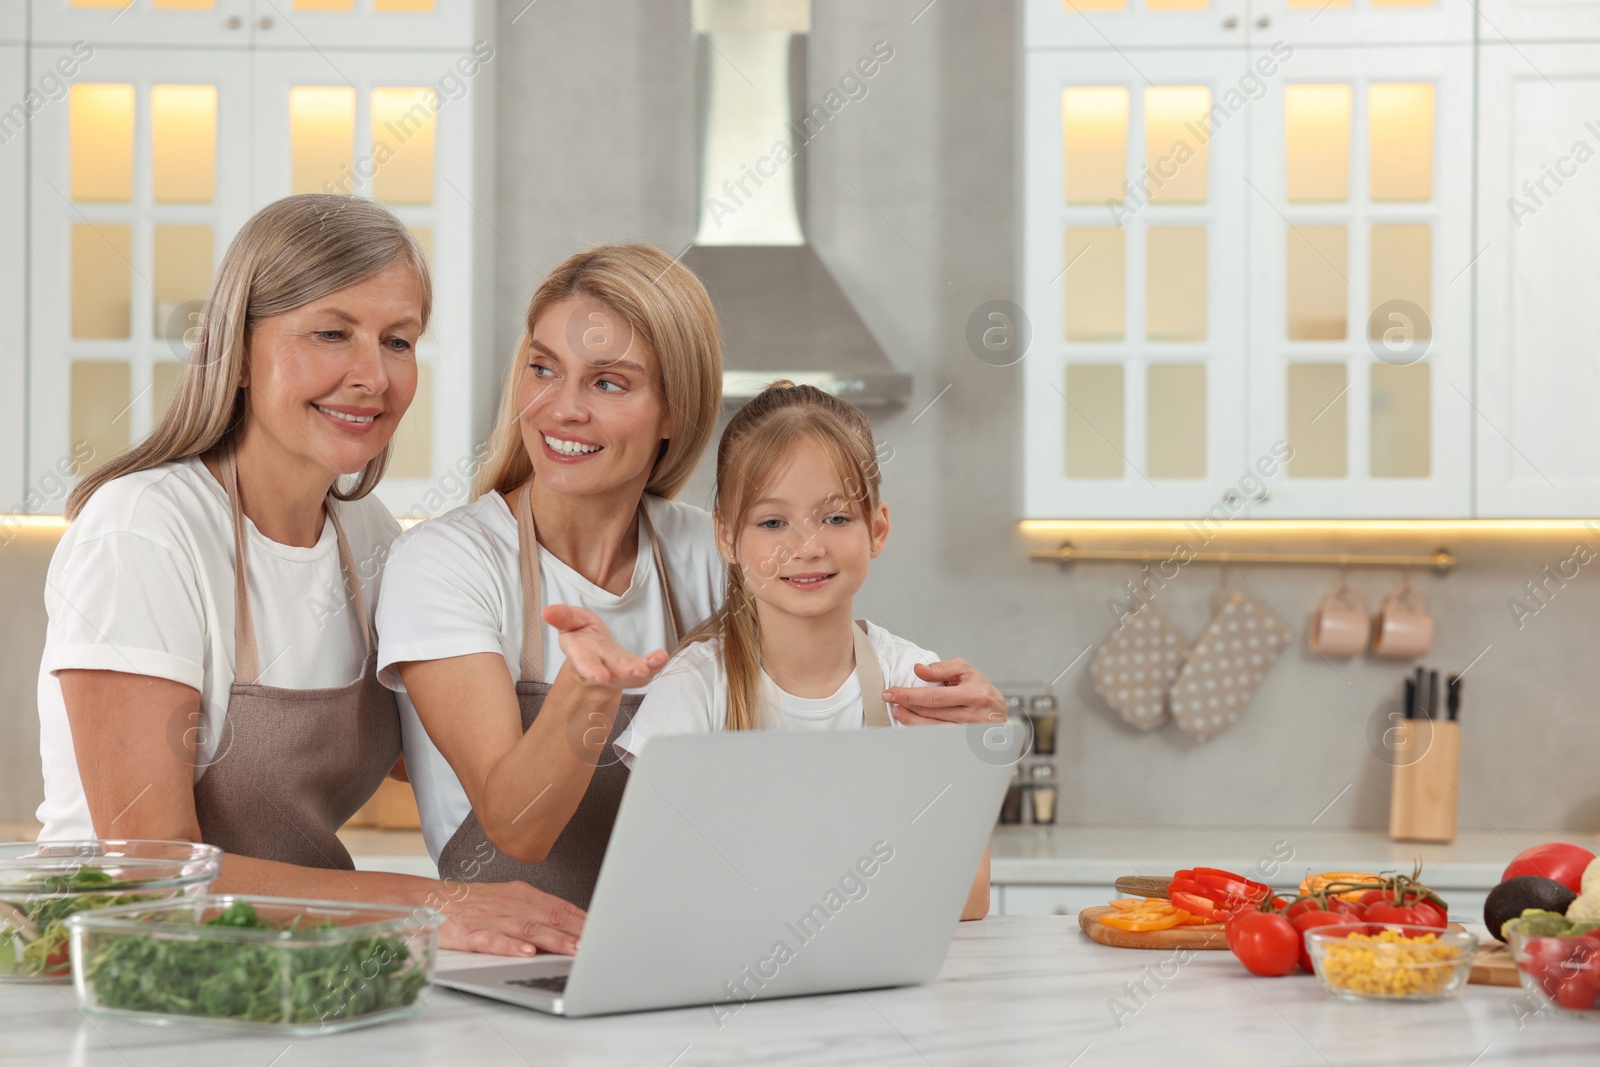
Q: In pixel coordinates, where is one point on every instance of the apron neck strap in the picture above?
(532, 667)
(247, 659)
(869, 675)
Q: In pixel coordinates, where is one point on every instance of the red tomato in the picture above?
(1410, 914)
(1559, 860)
(1348, 908)
(1310, 920)
(1266, 943)
(1577, 993)
(1545, 959)
(1431, 914)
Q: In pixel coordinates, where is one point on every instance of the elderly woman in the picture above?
(511, 624)
(196, 685)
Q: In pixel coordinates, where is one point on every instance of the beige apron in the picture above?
(573, 865)
(572, 868)
(297, 762)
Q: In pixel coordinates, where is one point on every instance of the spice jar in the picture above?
(1042, 792)
(1011, 806)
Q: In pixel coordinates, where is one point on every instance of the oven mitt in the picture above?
(1226, 666)
(1135, 665)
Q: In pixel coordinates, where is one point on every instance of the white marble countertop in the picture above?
(1088, 855)
(1014, 990)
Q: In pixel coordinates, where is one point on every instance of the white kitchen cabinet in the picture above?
(1323, 197)
(1529, 20)
(1315, 23)
(1538, 275)
(1359, 309)
(13, 277)
(140, 177)
(1134, 280)
(1022, 899)
(342, 24)
(1113, 24)
(411, 130)
(121, 23)
(13, 28)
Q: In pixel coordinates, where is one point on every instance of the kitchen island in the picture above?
(1014, 990)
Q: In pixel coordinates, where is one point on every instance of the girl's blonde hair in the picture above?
(667, 307)
(289, 253)
(755, 446)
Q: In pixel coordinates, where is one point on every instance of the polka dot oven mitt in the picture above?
(1134, 666)
(1226, 666)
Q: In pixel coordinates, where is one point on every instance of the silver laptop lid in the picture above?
(776, 863)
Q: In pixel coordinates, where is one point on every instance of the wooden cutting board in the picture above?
(1209, 936)
(1493, 965)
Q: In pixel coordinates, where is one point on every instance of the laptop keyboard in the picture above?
(557, 984)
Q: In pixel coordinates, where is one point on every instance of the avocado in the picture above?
(1511, 898)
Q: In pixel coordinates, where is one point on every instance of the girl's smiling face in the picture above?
(593, 412)
(803, 546)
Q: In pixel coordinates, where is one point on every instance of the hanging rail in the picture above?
(1441, 559)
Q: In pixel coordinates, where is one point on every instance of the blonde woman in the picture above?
(508, 623)
(209, 667)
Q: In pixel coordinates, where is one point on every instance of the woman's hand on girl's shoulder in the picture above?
(594, 655)
(961, 694)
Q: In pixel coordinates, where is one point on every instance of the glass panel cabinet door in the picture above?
(1541, 20)
(1328, 22)
(378, 125)
(389, 23)
(1133, 282)
(1104, 25)
(141, 22)
(1538, 388)
(140, 176)
(1360, 303)
(13, 284)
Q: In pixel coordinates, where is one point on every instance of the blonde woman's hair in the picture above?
(755, 446)
(666, 306)
(289, 253)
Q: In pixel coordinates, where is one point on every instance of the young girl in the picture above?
(798, 520)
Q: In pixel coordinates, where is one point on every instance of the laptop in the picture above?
(758, 864)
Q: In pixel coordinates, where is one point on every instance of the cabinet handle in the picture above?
(234, 22)
(1263, 494)
(1231, 22)
(265, 23)
(1233, 497)
(1263, 22)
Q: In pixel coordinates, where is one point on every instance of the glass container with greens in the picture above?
(291, 966)
(44, 882)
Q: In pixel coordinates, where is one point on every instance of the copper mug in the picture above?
(1402, 628)
(1339, 626)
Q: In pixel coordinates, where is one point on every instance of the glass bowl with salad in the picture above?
(293, 967)
(44, 882)
(1558, 960)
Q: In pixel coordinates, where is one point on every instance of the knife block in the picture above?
(1422, 801)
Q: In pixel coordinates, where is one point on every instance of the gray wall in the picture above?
(596, 143)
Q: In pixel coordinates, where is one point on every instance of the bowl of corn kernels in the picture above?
(1391, 961)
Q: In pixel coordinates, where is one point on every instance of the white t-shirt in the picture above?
(142, 582)
(690, 695)
(453, 588)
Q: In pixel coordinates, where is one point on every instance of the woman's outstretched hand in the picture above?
(594, 654)
(963, 695)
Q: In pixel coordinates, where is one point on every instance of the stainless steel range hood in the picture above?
(783, 314)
